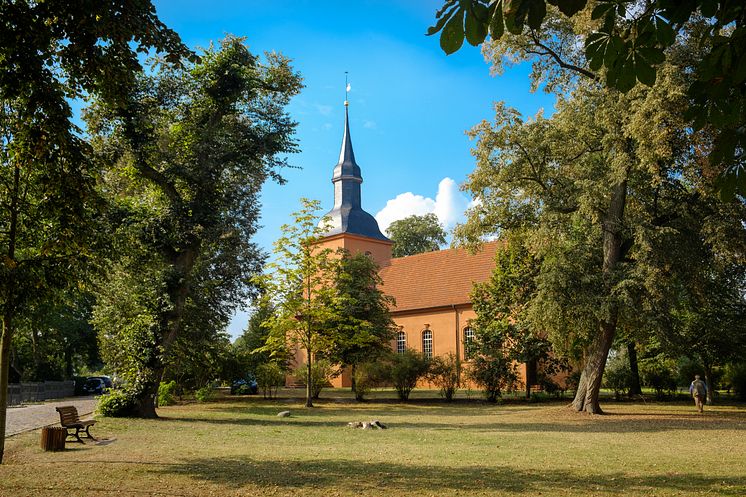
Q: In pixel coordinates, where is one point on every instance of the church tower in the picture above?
(350, 226)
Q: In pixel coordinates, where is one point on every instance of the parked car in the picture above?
(244, 386)
(107, 381)
(94, 386)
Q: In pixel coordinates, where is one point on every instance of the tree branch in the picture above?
(565, 65)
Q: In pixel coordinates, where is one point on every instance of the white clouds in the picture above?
(369, 124)
(449, 205)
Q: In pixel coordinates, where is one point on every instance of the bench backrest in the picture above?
(68, 415)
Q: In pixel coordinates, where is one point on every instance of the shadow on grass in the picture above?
(350, 476)
(566, 421)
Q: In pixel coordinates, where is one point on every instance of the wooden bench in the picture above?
(69, 419)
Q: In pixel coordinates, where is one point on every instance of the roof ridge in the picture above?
(449, 249)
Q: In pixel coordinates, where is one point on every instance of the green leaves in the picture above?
(476, 24)
(453, 34)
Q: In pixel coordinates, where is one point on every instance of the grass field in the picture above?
(240, 447)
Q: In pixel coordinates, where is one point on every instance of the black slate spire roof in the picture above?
(348, 216)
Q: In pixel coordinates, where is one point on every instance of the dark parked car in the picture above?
(244, 387)
(107, 381)
(94, 386)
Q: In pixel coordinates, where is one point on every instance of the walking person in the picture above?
(698, 389)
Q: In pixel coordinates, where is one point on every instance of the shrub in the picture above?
(658, 374)
(245, 390)
(493, 373)
(405, 370)
(117, 404)
(618, 375)
(369, 375)
(549, 386)
(204, 394)
(321, 372)
(269, 377)
(443, 374)
(166, 393)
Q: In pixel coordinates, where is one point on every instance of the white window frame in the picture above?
(427, 343)
(401, 342)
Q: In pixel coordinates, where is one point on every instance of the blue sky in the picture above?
(410, 104)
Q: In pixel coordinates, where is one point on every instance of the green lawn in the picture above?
(240, 447)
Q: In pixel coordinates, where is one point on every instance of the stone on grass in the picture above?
(367, 425)
(283, 414)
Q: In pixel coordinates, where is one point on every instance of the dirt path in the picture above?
(32, 417)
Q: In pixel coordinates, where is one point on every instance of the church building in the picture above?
(431, 290)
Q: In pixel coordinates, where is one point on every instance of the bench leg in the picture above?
(88, 434)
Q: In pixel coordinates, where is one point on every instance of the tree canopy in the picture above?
(416, 234)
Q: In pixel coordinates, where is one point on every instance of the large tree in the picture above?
(416, 234)
(601, 186)
(192, 146)
(50, 52)
(626, 41)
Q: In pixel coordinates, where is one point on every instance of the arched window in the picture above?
(427, 343)
(468, 342)
(401, 342)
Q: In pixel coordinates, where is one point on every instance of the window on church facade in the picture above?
(401, 342)
(468, 342)
(427, 343)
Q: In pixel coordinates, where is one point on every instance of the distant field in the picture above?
(240, 447)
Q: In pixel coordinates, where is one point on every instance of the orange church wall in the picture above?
(379, 250)
(447, 326)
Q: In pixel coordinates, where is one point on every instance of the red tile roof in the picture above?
(439, 278)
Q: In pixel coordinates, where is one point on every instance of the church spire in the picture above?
(348, 216)
(347, 167)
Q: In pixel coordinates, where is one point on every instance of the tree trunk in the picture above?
(586, 398)
(353, 383)
(146, 402)
(7, 331)
(589, 386)
(708, 381)
(309, 378)
(170, 326)
(36, 353)
(634, 388)
(4, 373)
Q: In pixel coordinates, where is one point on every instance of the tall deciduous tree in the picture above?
(601, 187)
(51, 52)
(299, 283)
(192, 147)
(362, 323)
(416, 234)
